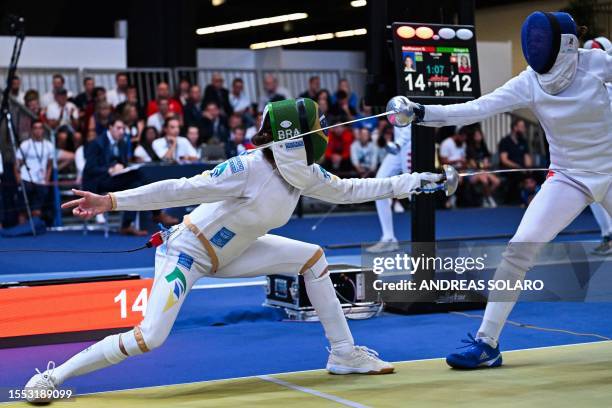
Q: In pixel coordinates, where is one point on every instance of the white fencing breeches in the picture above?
(554, 207)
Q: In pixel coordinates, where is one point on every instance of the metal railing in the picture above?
(203, 76)
(41, 78)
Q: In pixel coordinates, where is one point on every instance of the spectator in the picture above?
(15, 90)
(62, 112)
(163, 92)
(86, 97)
(324, 94)
(342, 110)
(133, 126)
(385, 134)
(514, 154)
(65, 157)
(344, 86)
(213, 124)
(365, 111)
(118, 94)
(237, 145)
(131, 96)
(173, 147)
(323, 105)
(98, 122)
(271, 91)
(338, 153)
(144, 152)
(452, 150)
(235, 121)
(238, 99)
(252, 131)
(105, 159)
(215, 92)
(158, 119)
(314, 86)
(528, 191)
(191, 110)
(478, 159)
(32, 103)
(182, 93)
(193, 135)
(364, 155)
(33, 166)
(57, 83)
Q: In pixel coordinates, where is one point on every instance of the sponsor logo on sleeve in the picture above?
(236, 165)
(222, 237)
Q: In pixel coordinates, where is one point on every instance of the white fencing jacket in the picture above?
(577, 121)
(244, 197)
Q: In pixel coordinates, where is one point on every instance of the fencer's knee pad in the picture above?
(316, 267)
(142, 339)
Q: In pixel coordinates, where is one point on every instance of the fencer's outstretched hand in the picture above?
(429, 182)
(89, 204)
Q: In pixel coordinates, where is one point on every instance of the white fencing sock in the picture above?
(102, 354)
(322, 295)
(385, 216)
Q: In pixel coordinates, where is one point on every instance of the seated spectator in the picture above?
(213, 151)
(338, 153)
(323, 102)
(65, 156)
(15, 91)
(479, 158)
(158, 119)
(345, 87)
(24, 126)
(118, 94)
(452, 150)
(385, 134)
(131, 96)
(342, 110)
(163, 92)
(324, 94)
(62, 112)
(98, 122)
(33, 166)
(105, 159)
(238, 99)
(57, 83)
(133, 126)
(213, 124)
(365, 111)
(182, 93)
(144, 152)
(192, 112)
(215, 92)
(272, 92)
(314, 86)
(86, 97)
(364, 155)
(252, 130)
(529, 190)
(235, 121)
(193, 135)
(514, 154)
(172, 147)
(238, 144)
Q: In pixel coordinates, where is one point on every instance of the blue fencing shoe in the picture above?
(478, 354)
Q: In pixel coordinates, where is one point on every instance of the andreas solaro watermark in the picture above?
(459, 285)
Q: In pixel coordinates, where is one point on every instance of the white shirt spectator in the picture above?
(364, 156)
(63, 115)
(20, 97)
(115, 97)
(37, 157)
(142, 154)
(49, 97)
(250, 132)
(239, 103)
(156, 120)
(79, 161)
(183, 148)
(450, 150)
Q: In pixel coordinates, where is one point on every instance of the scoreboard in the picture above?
(436, 63)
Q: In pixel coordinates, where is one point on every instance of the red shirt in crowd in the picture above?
(175, 106)
(339, 144)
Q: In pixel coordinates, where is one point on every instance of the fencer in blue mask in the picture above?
(564, 87)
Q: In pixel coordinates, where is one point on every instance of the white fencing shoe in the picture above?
(361, 360)
(41, 384)
(383, 246)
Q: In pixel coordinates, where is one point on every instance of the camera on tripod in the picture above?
(16, 25)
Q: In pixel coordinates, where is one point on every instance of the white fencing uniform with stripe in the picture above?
(226, 237)
(578, 126)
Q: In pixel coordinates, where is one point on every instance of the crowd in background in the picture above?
(99, 132)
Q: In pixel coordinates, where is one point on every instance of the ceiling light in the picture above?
(358, 3)
(217, 2)
(308, 38)
(251, 23)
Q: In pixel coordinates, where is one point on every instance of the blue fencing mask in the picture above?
(550, 46)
